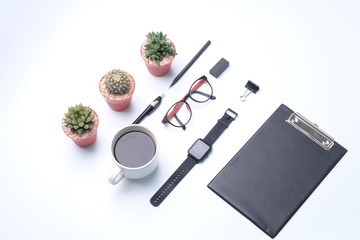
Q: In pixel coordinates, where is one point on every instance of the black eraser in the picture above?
(219, 67)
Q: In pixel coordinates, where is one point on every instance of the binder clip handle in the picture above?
(250, 88)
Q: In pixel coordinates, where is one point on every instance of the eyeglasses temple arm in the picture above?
(205, 94)
(177, 119)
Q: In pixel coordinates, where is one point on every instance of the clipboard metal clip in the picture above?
(311, 130)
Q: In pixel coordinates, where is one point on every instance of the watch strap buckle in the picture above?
(231, 113)
(228, 117)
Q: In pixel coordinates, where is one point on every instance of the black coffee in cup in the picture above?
(134, 149)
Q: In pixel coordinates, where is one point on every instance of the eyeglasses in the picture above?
(180, 113)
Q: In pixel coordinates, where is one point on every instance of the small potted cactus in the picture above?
(158, 52)
(117, 87)
(80, 124)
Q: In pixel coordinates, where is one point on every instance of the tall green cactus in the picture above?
(117, 82)
(79, 119)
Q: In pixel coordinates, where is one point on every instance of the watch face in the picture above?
(199, 149)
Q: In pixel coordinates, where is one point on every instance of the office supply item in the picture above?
(154, 105)
(177, 78)
(250, 88)
(200, 91)
(279, 167)
(198, 151)
(219, 67)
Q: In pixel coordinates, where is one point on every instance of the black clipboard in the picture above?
(279, 167)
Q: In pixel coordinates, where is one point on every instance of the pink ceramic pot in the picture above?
(117, 105)
(87, 139)
(154, 69)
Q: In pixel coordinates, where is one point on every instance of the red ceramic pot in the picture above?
(112, 101)
(86, 139)
(154, 69)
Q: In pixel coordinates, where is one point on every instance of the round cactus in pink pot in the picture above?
(117, 87)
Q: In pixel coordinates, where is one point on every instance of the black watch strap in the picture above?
(190, 162)
(220, 127)
(173, 181)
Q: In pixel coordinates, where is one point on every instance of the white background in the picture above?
(304, 54)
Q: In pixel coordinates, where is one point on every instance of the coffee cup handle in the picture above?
(116, 175)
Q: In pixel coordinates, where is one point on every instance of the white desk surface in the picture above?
(304, 54)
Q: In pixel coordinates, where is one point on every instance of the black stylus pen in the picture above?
(155, 104)
(177, 78)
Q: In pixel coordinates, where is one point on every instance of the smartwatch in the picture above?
(196, 153)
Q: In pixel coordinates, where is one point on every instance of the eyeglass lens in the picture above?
(201, 91)
(179, 114)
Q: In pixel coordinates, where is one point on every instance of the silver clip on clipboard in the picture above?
(311, 130)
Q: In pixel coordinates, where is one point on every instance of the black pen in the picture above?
(155, 104)
(177, 78)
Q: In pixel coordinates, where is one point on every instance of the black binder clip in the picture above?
(250, 88)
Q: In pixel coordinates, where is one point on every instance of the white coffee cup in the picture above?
(121, 170)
